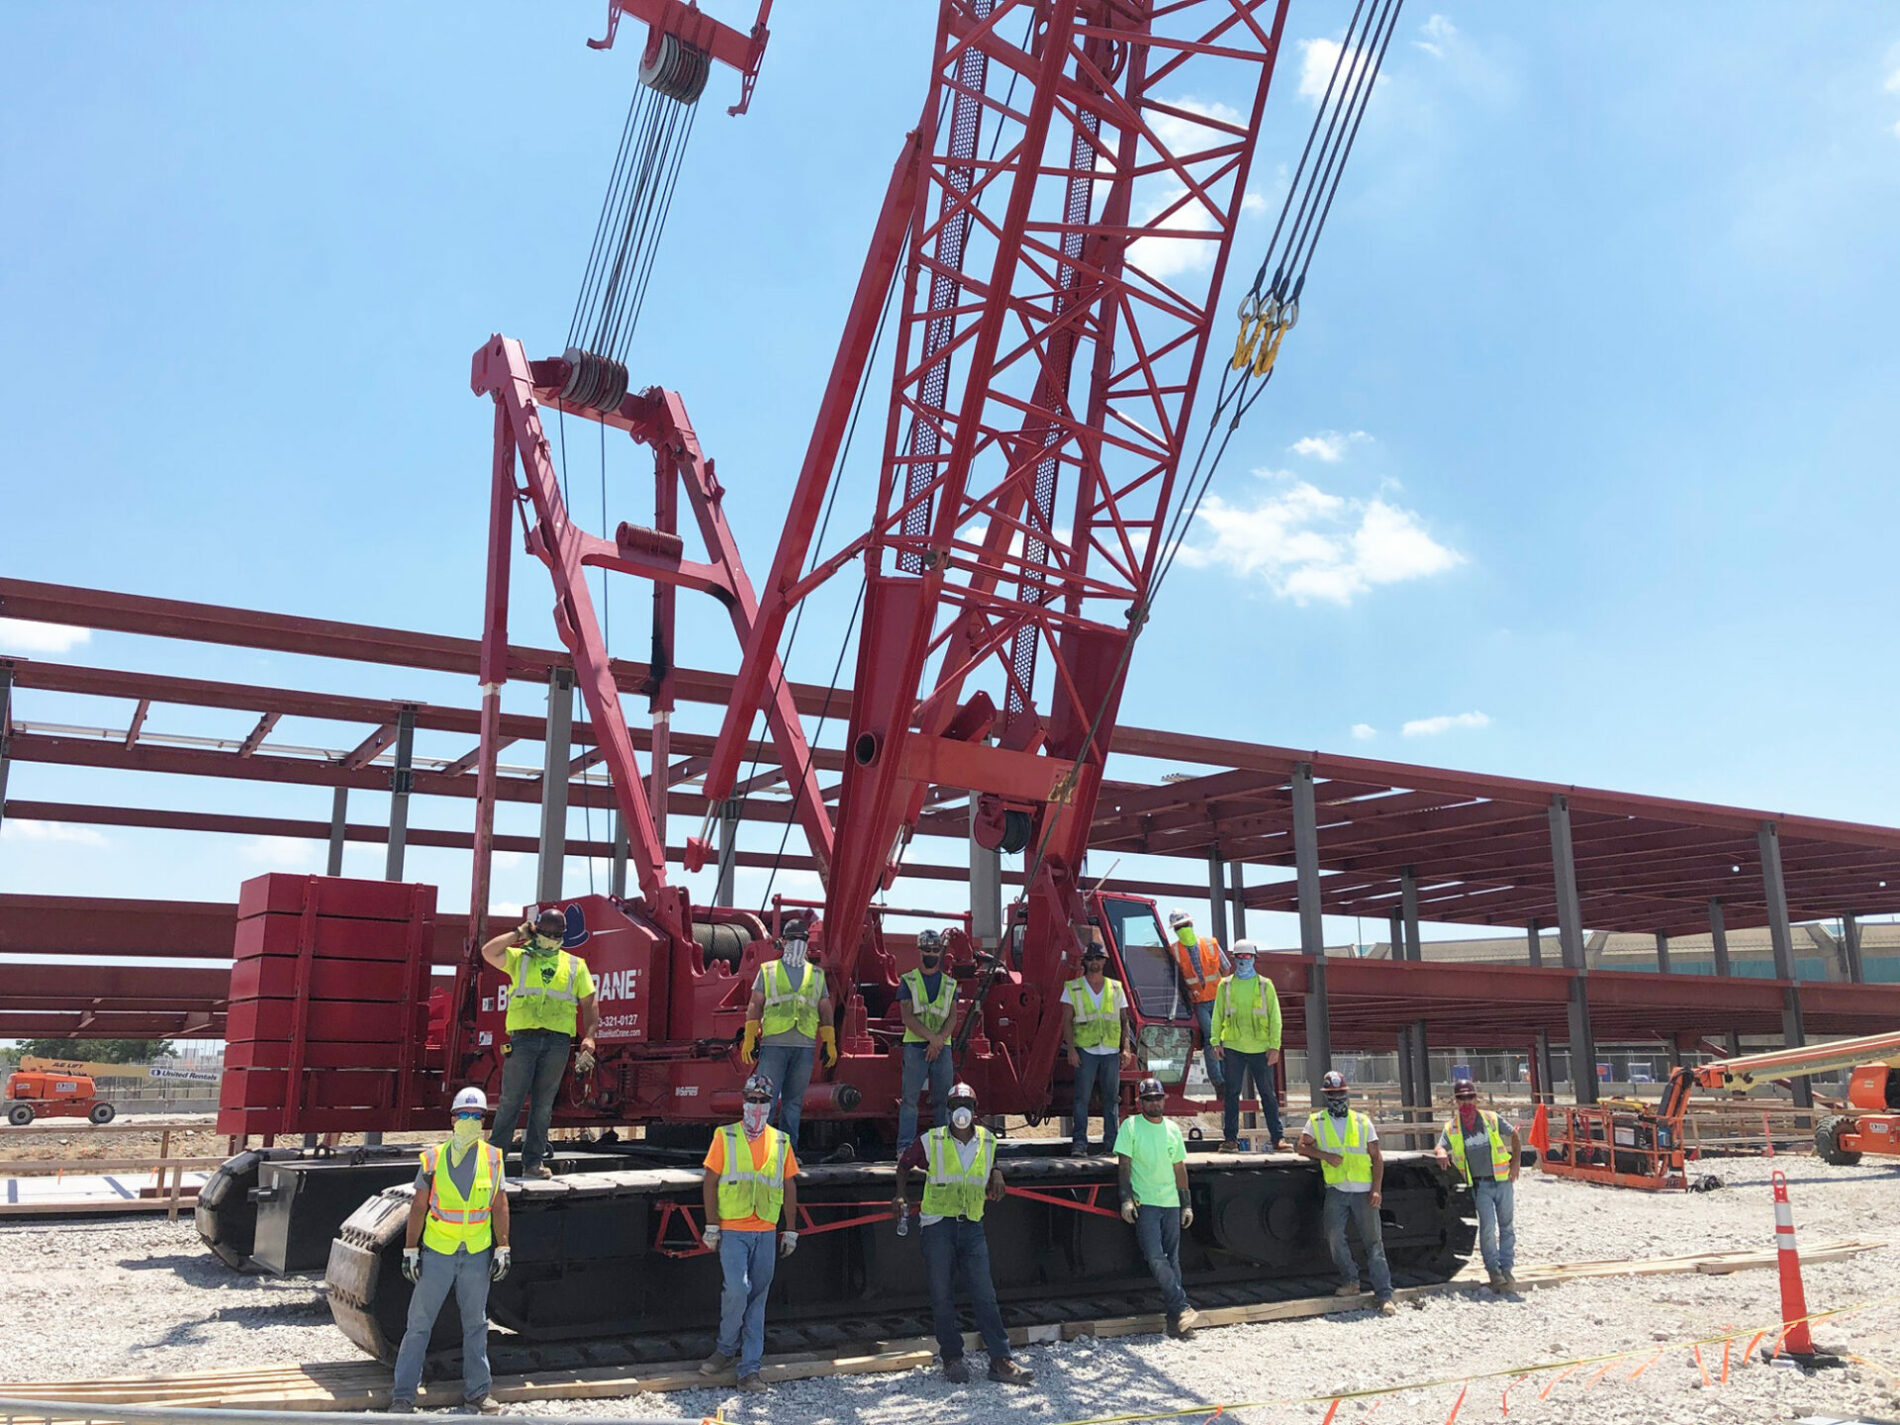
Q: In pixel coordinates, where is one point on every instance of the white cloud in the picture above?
(1168, 256)
(1438, 32)
(1896, 129)
(26, 636)
(284, 853)
(1305, 544)
(1433, 726)
(1317, 61)
(1364, 732)
(1328, 445)
(16, 830)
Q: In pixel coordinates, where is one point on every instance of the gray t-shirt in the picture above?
(1477, 1148)
(791, 1038)
(462, 1174)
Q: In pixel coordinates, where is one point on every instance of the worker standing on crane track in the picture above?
(788, 1016)
(749, 1187)
(925, 998)
(1245, 1034)
(1346, 1146)
(1202, 965)
(1154, 1192)
(457, 1239)
(550, 995)
(960, 1178)
(1098, 1036)
(1486, 1152)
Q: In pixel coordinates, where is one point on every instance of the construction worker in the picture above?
(750, 1182)
(789, 1014)
(1485, 1150)
(1201, 965)
(1098, 1036)
(1245, 1035)
(1346, 1146)
(457, 1240)
(549, 990)
(925, 998)
(960, 1176)
(1154, 1184)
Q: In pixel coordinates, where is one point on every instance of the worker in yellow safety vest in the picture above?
(550, 995)
(960, 1179)
(788, 1015)
(750, 1185)
(457, 1239)
(1485, 1151)
(1346, 1146)
(1098, 1037)
(1244, 1038)
(926, 996)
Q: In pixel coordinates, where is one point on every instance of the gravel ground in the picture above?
(136, 1298)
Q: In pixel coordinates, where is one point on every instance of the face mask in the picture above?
(467, 1130)
(543, 945)
(1244, 969)
(793, 955)
(1467, 1109)
(1336, 1107)
(1151, 1109)
(962, 1117)
(929, 963)
(1187, 935)
(754, 1116)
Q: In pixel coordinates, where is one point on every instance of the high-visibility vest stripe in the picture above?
(950, 1189)
(1352, 1144)
(1097, 1023)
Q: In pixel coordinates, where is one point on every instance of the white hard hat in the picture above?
(1179, 918)
(470, 1098)
(1244, 947)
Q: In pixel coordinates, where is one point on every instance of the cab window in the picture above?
(1147, 964)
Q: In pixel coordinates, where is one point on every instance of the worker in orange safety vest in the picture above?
(1201, 963)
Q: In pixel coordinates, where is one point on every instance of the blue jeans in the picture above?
(747, 1260)
(941, 1071)
(1216, 1073)
(788, 1066)
(1365, 1221)
(1158, 1230)
(1497, 1223)
(1241, 1067)
(1103, 1071)
(537, 1058)
(949, 1244)
(467, 1273)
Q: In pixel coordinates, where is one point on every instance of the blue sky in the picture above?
(1579, 464)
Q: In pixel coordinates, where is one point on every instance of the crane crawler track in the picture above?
(608, 1267)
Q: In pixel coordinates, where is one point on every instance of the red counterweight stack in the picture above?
(329, 1025)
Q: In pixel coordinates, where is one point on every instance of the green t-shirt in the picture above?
(1152, 1150)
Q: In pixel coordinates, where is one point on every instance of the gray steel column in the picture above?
(1718, 937)
(728, 851)
(1216, 897)
(1405, 1069)
(1546, 1068)
(556, 751)
(1534, 940)
(1408, 912)
(986, 891)
(1319, 1030)
(1421, 1069)
(1662, 951)
(1793, 1035)
(617, 873)
(1395, 935)
(339, 822)
(1850, 942)
(1583, 1042)
(401, 782)
(1237, 898)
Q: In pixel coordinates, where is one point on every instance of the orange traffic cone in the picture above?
(1794, 1346)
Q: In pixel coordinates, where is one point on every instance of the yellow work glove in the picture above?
(749, 1046)
(828, 1043)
